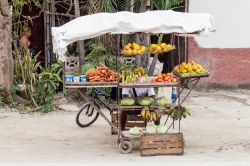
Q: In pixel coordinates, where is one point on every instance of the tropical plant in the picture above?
(167, 4)
(47, 84)
(99, 55)
(26, 72)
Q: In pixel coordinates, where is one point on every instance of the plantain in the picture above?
(148, 116)
(143, 114)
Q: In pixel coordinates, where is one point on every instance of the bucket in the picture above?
(69, 78)
(83, 78)
(76, 79)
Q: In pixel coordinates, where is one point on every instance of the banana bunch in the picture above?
(127, 76)
(150, 116)
(177, 114)
(139, 71)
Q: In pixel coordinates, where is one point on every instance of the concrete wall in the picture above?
(225, 53)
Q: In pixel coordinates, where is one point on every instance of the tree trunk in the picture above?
(6, 59)
(80, 44)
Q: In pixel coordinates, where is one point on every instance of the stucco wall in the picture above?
(225, 53)
(232, 19)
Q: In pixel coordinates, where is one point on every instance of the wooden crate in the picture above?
(162, 144)
(132, 120)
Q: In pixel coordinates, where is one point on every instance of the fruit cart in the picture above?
(152, 22)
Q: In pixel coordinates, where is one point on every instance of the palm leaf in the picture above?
(166, 4)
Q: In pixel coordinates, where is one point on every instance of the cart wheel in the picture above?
(87, 115)
(125, 147)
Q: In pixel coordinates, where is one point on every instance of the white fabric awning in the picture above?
(160, 21)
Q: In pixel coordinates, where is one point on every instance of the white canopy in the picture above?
(160, 21)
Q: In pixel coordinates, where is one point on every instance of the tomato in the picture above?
(164, 75)
(174, 79)
(159, 80)
(165, 79)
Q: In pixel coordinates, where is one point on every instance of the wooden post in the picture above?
(80, 44)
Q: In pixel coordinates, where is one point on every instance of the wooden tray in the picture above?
(90, 84)
(162, 144)
(194, 76)
(148, 85)
(150, 107)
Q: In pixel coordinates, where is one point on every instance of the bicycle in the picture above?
(90, 112)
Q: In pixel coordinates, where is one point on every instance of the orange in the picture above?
(159, 77)
(158, 74)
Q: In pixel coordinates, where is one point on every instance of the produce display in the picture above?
(178, 114)
(135, 131)
(150, 116)
(162, 101)
(128, 101)
(146, 101)
(189, 69)
(133, 49)
(161, 129)
(152, 128)
(129, 76)
(101, 74)
(160, 48)
(168, 77)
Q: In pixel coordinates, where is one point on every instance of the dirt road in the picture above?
(217, 131)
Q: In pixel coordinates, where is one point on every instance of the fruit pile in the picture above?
(168, 77)
(150, 116)
(190, 69)
(160, 48)
(129, 76)
(133, 49)
(101, 74)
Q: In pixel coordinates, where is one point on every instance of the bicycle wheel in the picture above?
(87, 115)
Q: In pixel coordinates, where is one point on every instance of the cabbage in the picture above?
(162, 101)
(151, 128)
(127, 101)
(135, 131)
(146, 101)
(161, 129)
